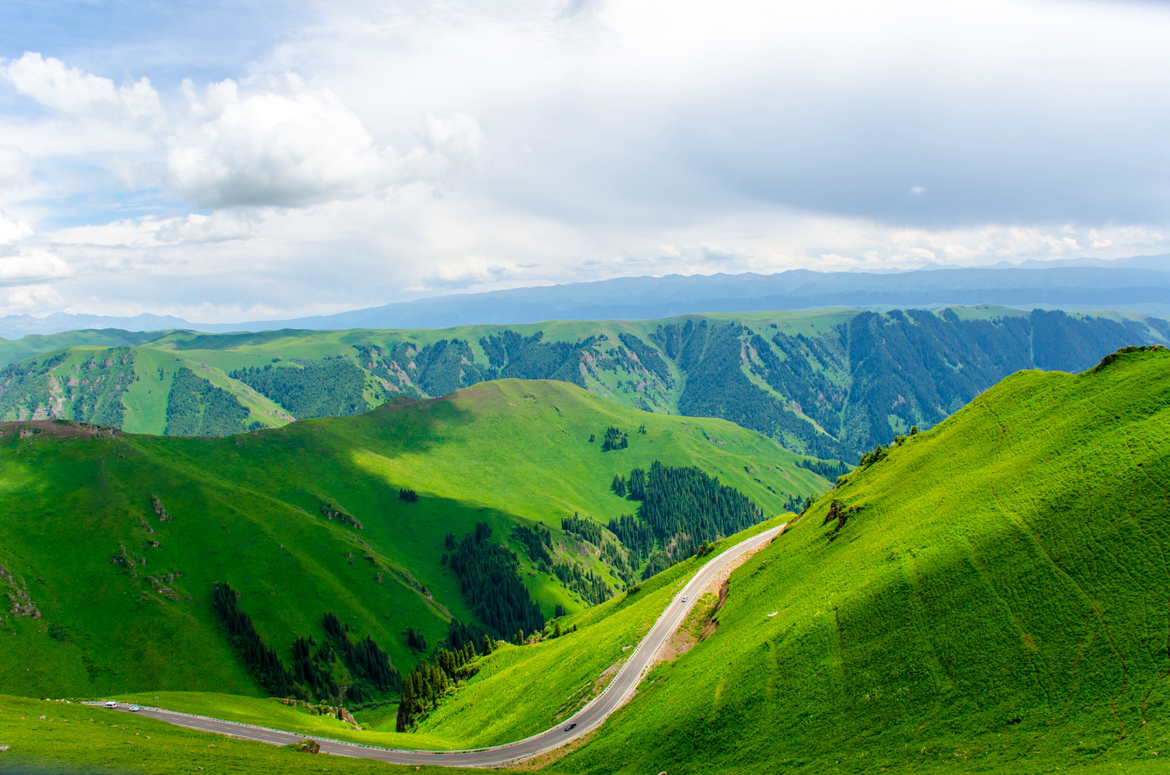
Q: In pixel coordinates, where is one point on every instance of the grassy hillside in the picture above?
(54, 737)
(516, 692)
(111, 542)
(997, 599)
(830, 383)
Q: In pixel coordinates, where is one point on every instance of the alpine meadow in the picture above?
(584, 387)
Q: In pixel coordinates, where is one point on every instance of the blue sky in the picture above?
(231, 161)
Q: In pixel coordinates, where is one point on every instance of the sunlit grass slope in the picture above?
(119, 614)
(521, 691)
(998, 603)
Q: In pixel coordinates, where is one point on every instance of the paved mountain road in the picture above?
(620, 689)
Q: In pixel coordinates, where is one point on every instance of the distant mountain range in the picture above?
(1137, 284)
(831, 384)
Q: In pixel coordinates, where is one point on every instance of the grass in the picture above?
(53, 737)
(522, 691)
(246, 510)
(271, 713)
(998, 604)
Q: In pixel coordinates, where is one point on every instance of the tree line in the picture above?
(195, 407)
(330, 387)
(431, 679)
(681, 508)
(490, 580)
(312, 675)
(262, 661)
(586, 528)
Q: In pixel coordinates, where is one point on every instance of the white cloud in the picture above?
(13, 230)
(220, 226)
(456, 135)
(287, 150)
(13, 167)
(151, 232)
(626, 137)
(31, 298)
(32, 265)
(73, 92)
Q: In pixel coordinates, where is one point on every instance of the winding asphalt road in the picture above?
(584, 721)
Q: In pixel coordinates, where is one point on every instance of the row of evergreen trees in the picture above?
(636, 536)
(415, 640)
(431, 679)
(460, 634)
(634, 488)
(262, 661)
(330, 387)
(586, 528)
(591, 587)
(195, 407)
(312, 673)
(829, 469)
(681, 509)
(490, 580)
(369, 666)
(537, 540)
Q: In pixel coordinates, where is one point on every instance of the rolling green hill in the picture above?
(991, 596)
(111, 543)
(828, 383)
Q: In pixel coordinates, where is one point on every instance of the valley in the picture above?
(990, 594)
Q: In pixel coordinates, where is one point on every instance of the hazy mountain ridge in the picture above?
(1137, 284)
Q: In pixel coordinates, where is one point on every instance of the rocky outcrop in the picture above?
(163, 516)
(22, 603)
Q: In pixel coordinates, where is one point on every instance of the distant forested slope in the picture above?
(830, 383)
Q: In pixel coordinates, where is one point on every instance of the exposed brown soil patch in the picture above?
(685, 638)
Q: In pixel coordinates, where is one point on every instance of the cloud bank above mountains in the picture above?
(253, 161)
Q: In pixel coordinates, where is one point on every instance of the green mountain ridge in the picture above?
(113, 542)
(828, 383)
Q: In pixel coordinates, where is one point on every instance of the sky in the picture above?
(239, 161)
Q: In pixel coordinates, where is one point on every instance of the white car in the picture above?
(684, 598)
(111, 704)
(134, 709)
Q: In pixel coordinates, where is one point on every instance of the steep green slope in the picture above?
(112, 542)
(992, 596)
(830, 383)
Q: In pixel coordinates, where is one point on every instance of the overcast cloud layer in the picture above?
(251, 160)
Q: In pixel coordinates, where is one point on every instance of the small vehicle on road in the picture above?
(684, 599)
(111, 704)
(134, 709)
(570, 728)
